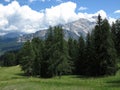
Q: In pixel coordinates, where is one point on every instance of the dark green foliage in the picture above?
(9, 59)
(89, 56)
(105, 54)
(38, 47)
(27, 58)
(97, 55)
(116, 35)
(80, 63)
(59, 59)
(73, 53)
(47, 72)
(46, 58)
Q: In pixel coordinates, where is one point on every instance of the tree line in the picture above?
(96, 55)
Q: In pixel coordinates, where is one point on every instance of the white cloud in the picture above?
(111, 20)
(61, 14)
(14, 17)
(117, 11)
(82, 8)
(92, 17)
(7, 0)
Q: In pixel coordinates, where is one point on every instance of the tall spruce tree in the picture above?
(73, 52)
(89, 56)
(105, 54)
(81, 62)
(27, 58)
(48, 52)
(38, 47)
(59, 63)
(113, 31)
(116, 34)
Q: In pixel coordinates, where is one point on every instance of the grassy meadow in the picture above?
(12, 78)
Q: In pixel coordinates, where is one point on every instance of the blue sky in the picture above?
(109, 6)
(31, 15)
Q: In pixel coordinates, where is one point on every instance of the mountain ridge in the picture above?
(73, 30)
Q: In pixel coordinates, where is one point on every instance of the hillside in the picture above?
(12, 78)
(7, 44)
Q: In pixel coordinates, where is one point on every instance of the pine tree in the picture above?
(27, 58)
(38, 47)
(116, 33)
(9, 59)
(73, 53)
(113, 31)
(89, 55)
(81, 62)
(59, 63)
(105, 54)
(47, 71)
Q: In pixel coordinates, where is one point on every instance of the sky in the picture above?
(29, 16)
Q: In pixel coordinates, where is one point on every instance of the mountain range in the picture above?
(74, 29)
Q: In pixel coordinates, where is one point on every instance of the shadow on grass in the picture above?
(115, 83)
(81, 76)
(23, 75)
(19, 76)
(86, 77)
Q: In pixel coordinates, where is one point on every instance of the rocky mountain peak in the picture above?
(73, 30)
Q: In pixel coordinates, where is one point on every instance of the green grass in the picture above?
(11, 78)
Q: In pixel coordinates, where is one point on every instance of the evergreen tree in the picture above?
(73, 53)
(9, 58)
(81, 62)
(27, 58)
(105, 54)
(54, 57)
(89, 56)
(38, 47)
(70, 48)
(59, 63)
(47, 72)
(113, 31)
(116, 34)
